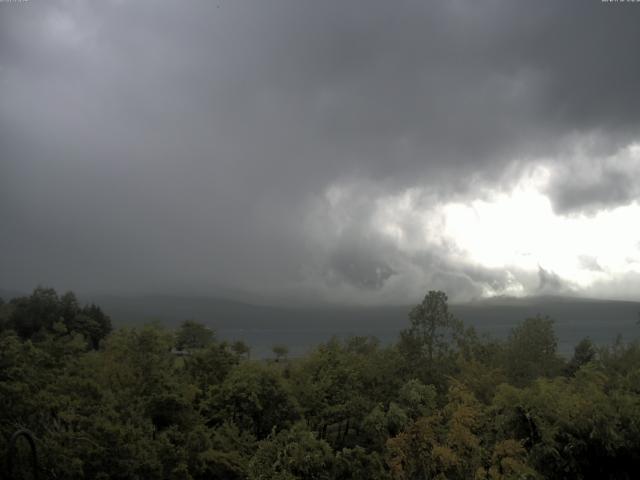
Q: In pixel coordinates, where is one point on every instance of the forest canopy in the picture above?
(440, 403)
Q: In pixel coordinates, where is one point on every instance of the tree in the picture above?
(531, 351)
(44, 312)
(418, 399)
(94, 330)
(210, 366)
(193, 335)
(291, 455)
(445, 444)
(583, 353)
(428, 344)
(508, 462)
(227, 455)
(5, 315)
(358, 464)
(253, 396)
(577, 427)
(433, 327)
(329, 385)
(241, 348)
(137, 362)
(35, 313)
(280, 351)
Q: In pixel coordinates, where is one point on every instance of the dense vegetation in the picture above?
(441, 403)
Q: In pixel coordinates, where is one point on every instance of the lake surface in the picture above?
(302, 328)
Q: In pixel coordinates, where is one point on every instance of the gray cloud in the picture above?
(611, 189)
(551, 283)
(590, 263)
(591, 184)
(354, 265)
(182, 145)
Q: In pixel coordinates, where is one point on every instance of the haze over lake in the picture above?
(302, 328)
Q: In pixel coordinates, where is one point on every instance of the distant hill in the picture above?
(9, 294)
(303, 327)
(576, 318)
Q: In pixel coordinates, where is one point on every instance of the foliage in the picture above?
(442, 403)
(280, 351)
(584, 353)
(253, 397)
(531, 351)
(45, 312)
(193, 335)
(291, 455)
(429, 345)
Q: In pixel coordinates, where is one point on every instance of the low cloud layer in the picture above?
(305, 150)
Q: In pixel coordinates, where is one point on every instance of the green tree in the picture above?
(35, 313)
(226, 456)
(429, 344)
(241, 348)
(193, 335)
(5, 315)
(137, 362)
(358, 464)
(443, 445)
(254, 397)
(210, 366)
(38, 314)
(330, 387)
(418, 399)
(508, 462)
(280, 351)
(294, 454)
(531, 351)
(583, 353)
(95, 326)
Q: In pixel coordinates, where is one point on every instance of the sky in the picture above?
(350, 152)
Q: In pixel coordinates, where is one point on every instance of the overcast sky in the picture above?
(321, 150)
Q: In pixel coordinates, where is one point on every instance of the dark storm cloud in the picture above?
(182, 145)
(354, 265)
(611, 189)
(589, 186)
